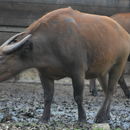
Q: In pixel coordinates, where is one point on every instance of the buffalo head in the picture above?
(14, 54)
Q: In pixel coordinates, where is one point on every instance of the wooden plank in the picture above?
(11, 29)
(7, 32)
(104, 3)
(4, 36)
(23, 13)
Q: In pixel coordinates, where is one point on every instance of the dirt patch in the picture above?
(22, 104)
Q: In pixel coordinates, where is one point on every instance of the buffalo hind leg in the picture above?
(124, 87)
(48, 86)
(114, 75)
(78, 85)
(103, 114)
(92, 87)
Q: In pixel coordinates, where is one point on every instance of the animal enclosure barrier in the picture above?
(16, 15)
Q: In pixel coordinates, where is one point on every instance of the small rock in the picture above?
(7, 117)
(103, 126)
(29, 114)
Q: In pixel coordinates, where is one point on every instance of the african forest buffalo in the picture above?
(69, 43)
(124, 20)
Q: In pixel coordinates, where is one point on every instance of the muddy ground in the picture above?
(21, 106)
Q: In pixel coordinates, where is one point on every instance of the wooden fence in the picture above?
(15, 15)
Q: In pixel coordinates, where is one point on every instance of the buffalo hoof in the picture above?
(82, 120)
(82, 117)
(43, 121)
(94, 93)
(102, 118)
(127, 95)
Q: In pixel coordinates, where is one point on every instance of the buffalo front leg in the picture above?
(78, 85)
(124, 87)
(48, 87)
(114, 75)
(92, 87)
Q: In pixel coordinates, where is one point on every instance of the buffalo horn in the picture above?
(10, 39)
(13, 47)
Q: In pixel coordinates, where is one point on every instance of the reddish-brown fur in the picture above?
(124, 20)
(46, 18)
(69, 43)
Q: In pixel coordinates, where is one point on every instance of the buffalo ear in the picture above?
(27, 48)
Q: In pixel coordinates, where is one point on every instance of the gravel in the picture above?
(22, 105)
